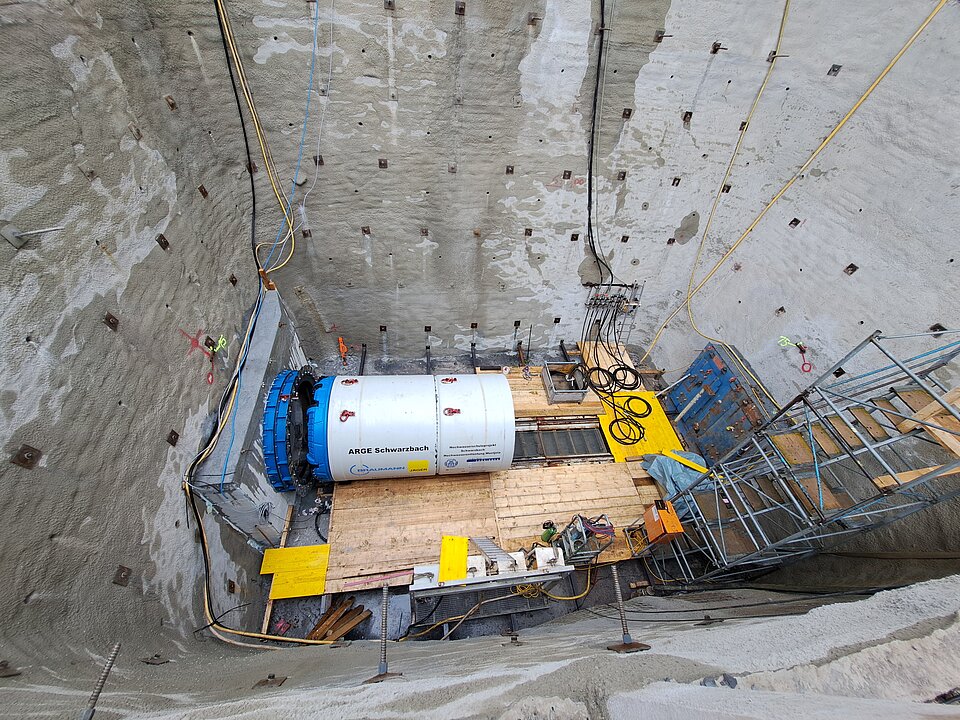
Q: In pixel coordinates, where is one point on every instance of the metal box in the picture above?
(661, 522)
(564, 382)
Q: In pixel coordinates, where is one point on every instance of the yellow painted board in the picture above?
(684, 461)
(298, 583)
(288, 559)
(659, 434)
(453, 558)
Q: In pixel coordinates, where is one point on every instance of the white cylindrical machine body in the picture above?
(418, 425)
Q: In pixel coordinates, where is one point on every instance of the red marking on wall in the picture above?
(195, 343)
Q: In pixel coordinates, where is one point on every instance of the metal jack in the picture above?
(382, 673)
(627, 645)
(87, 714)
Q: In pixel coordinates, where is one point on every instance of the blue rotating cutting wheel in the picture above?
(285, 429)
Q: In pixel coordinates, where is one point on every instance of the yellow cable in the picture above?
(658, 578)
(272, 174)
(214, 624)
(534, 590)
(716, 203)
(826, 141)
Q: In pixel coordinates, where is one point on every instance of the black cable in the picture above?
(316, 526)
(217, 618)
(246, 143)
(591, 241)
(765, 603)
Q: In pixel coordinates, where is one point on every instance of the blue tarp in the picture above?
(674, 476)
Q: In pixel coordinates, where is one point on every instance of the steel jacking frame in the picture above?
(872, 440)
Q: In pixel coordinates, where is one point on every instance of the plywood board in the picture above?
(869, 423)
(530, 398)
(825, 440)
(304, 557)
(845, 431)
(659, 434)
(380, 529)
(527, 497)
(794, 448)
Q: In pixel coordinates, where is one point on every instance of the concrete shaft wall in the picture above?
(452, 103)
(88, 140)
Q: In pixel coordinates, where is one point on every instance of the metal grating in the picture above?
(559, 443)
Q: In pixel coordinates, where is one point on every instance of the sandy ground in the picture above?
(879, 656)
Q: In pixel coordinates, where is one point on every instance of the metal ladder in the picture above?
(495, 554)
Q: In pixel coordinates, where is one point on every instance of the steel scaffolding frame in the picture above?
(852, 452)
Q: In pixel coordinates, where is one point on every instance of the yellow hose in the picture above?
(796, 175)
(272, 175)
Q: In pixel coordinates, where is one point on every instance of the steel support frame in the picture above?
(783, 522)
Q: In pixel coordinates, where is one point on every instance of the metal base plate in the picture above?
(628, 647)
(381, 677)
(11, 234)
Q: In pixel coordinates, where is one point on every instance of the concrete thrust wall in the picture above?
(478, 118)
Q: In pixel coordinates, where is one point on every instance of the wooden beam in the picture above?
(268, 611)
(929, 411)
(887, 481)
(330, 618)
(348, 625)
(333, 632)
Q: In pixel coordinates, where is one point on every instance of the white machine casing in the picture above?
(383, 426)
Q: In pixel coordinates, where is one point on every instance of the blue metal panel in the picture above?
(317, 430)
(275, 414)
(717, 404)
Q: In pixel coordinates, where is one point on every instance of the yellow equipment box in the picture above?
(661, 522)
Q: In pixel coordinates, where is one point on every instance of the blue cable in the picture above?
(303, 131)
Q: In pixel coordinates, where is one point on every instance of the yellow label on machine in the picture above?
(418, 466)
(453, 558)
(658, 434)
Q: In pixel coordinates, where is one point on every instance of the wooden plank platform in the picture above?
(530, 398)
(596, 355)
(380, 529)
(385, 527)
(525, 498)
